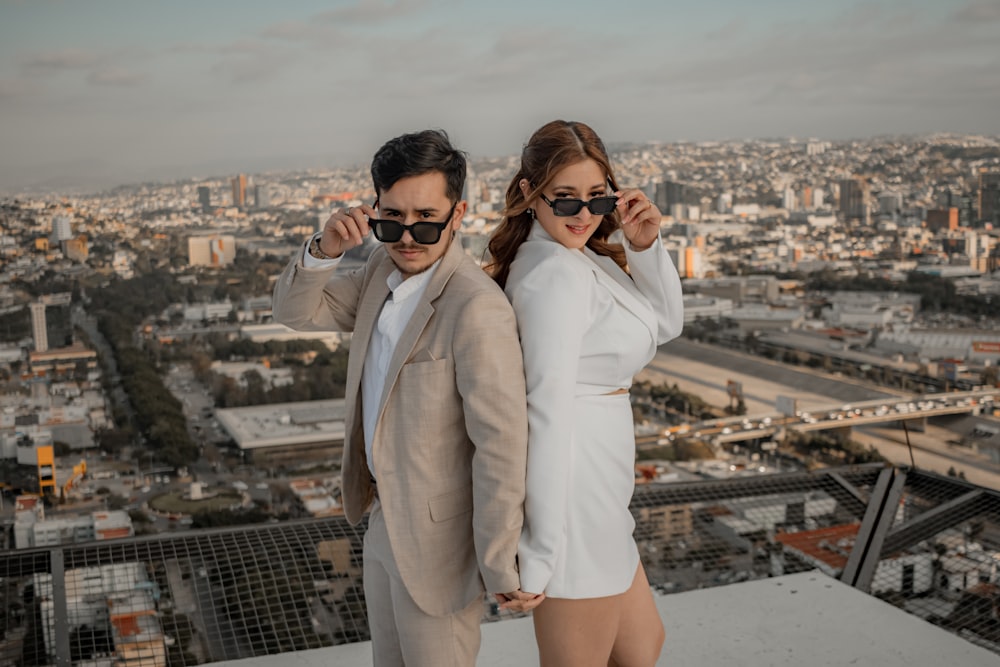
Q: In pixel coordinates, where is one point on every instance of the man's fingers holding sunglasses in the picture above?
(347, 228)
(360, 216)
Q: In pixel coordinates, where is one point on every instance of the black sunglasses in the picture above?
(423, 232)
(565, 207)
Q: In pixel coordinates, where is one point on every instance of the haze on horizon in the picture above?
(105, 92)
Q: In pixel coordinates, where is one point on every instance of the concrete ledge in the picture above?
(797, 619)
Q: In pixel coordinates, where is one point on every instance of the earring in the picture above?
(531, 212)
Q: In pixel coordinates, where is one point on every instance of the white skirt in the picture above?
(600, 556)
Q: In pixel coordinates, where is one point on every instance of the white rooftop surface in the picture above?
(284, 423)
(798, 619)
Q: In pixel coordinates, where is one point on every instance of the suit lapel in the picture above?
(421, 316)
(369, 308)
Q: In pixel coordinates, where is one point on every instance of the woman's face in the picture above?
(583, 180)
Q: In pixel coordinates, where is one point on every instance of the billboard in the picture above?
(786, 405)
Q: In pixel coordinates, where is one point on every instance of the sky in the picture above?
(95, 93)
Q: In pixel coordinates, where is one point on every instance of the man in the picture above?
(436, 425)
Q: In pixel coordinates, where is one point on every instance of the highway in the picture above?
(823, 401)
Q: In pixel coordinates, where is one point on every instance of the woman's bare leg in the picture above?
(616, 631)
(640, 635)
(576, 633)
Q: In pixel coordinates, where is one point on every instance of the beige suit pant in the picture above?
(402, 633)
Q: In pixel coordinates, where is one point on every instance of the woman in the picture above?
(591, 313)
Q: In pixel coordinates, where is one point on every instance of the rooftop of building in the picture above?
(290, 592)
(798, 619)
(284, 423)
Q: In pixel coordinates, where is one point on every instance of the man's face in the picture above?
(419, 199)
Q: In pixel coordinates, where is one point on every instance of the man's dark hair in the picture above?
(416, 154)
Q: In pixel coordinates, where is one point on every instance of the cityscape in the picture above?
(836, 384)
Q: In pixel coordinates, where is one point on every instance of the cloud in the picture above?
(243, 46)
(864, 54)
(374, 11)
(979, 12)
(730, 31)
(252, 69)
(289, 30)
(13, 88)
(115, 76)
(66, 59)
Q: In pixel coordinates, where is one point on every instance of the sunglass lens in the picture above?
(567, 207)
(602, 205)
(387, 231)
(426, 234)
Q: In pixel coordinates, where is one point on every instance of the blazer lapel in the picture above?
(421, 316)
(369, 308)
(623, 288)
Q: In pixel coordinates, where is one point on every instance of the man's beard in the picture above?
(408, 271)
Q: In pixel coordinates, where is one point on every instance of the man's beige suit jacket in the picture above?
(450, 445)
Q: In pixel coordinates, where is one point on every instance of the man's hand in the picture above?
(519, 600)
(346, 229)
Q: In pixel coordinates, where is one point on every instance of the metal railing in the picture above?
(927, 543)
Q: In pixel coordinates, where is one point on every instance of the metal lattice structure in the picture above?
(926, 543)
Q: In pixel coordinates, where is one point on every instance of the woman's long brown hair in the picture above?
(550, 149)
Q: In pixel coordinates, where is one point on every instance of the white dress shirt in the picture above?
(396, 313)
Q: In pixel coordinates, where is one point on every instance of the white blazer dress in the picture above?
(586, 328)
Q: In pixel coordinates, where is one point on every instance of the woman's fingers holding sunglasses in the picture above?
(636, 205)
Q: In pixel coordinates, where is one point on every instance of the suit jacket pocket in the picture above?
(421, 368)
(451, 504)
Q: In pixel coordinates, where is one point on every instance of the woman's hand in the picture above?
(640, 218)
(519, 600)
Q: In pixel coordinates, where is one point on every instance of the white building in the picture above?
(706, 307)
(214, 250)
(120, 596)
(62, 228)
(39, 327)
(261, 333)
(207, 311)
(287, 434)
(31, 532)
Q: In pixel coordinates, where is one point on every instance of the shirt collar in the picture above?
(403, 289)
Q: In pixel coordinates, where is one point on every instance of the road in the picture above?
(704, 370)
(931, 451)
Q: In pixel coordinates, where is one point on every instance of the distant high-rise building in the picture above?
(472, 190)
(854, 195)
(816, 147)
(261, 196)
(62, 228)
(77, 249)
(239, 183)
(39, 327)
(214, 250)
(205, 198)
(890, 203)
(942, 219)
(724, 203)
(965, 204)
(818, 198)
(669, 193)
(989, 197)
(788, 199)
(687, 257)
